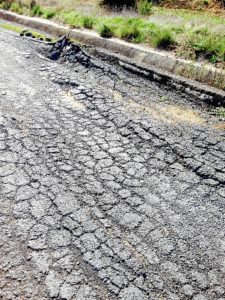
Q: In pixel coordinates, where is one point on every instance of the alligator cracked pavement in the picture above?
(111, 186)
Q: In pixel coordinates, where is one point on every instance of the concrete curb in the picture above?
(191, 88)
(152, 60)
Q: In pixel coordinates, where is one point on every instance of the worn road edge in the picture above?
(157, 66)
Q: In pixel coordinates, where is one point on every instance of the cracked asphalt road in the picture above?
(111, 186)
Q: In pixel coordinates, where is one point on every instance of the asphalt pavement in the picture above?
(111, 186)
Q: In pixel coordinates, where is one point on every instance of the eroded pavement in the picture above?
(111, 186)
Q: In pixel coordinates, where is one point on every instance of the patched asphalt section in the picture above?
(112, 186)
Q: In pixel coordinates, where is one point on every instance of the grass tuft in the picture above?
(210, 46)
(105, 31)
(72, 18)
(145, 7)
(163, 38)
(36, 10)
(5, 4)
(49, 13)
(130, 30)
(219, 112)
(88, 22)
(17, 8)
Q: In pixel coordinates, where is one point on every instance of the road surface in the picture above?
(111, 186)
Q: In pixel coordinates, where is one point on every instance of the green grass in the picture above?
(209, 45)
(23, 31)
(49, 13)
(192, 35)
(163, 38)
(12, 28)
(145, 7)
(130, 30)
(15, 7)
(105, 31)
(36, 10)
(71, 18)
(88, 22)
(193, 16)
(5, 4)
(219, 112)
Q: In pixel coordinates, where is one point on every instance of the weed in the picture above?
(88, 22)
(36, 10)
(6, 4)
(163, 38)
(213, 47)
(214, 59)
(205, 2)
(17, 8)
(12, 28)
(130, 30)
(49, 13)
(105, 31)
(25, 32)
(73, 19)
(36, 35)
(145, 7)
(219, 112)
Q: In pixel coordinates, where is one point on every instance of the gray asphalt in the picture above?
(111, 186)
